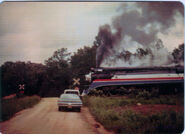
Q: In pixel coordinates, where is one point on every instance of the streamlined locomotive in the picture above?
(103, 77)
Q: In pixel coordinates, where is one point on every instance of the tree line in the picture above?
(50, 78)
(57, 72)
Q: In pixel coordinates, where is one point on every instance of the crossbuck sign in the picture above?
(21, 86)
(76, 81)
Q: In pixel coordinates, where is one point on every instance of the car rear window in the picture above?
(73, 96)
(71, 92)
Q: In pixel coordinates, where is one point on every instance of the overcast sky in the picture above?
(32, 31)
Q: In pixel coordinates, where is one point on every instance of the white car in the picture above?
(69, 101)
(72, 91)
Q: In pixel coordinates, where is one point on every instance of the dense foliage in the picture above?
(15, 73)
(51, 78)
(178, 54)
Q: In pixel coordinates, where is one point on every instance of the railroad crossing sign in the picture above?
(21, 87)
(76, 81)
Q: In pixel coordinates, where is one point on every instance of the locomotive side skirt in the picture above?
(110, 82)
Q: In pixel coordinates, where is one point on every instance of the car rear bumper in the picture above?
(68, 105)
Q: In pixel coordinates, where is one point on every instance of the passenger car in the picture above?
(69, 101)
(72, 91)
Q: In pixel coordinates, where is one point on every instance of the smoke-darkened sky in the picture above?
(32, 31)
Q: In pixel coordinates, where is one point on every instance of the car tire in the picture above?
(59, 108)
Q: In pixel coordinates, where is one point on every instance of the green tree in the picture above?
(60, 59)
(15, 73)
(35, 76)
(58, 72)
(178, 54)
(140, 52)
(82, 61)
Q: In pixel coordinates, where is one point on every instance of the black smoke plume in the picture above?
(106, 39)
(141, 21)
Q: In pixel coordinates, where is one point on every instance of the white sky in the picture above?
(32, 31)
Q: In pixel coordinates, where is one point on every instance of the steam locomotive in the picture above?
(103, 77)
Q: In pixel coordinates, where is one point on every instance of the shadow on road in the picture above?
(69, 110)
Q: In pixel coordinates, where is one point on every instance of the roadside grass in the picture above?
(13, 105)
(163, 99)
(123, 100)
(128, 121)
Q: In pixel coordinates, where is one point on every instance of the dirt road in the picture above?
(44, 118)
